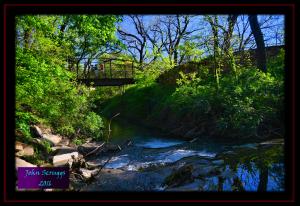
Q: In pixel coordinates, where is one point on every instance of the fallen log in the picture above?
(95, 150)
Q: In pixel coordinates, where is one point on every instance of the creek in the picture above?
(154, 162)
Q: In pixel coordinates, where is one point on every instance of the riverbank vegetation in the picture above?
(47, 91)
(245, 103)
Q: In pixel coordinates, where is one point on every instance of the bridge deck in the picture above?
(107, 81)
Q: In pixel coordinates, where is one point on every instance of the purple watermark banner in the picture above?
(43, 177)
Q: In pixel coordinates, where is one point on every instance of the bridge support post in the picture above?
(110, 69)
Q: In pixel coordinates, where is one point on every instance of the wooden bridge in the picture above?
(106, 72)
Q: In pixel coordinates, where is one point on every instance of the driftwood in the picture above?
(127, 143)
(193, 140)
(95, 150)
(109, 129)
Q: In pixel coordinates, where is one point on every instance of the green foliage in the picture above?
(192, 94)
(245, 100)
(92, 125)
(276, 64)
(190, 52)
(241, 104)
(138, 102)
(46, 146)
(36, 159)
(23, 120)
(48, 91)
(78, 141)
(170, 76)
(150, 73)
(44, 85)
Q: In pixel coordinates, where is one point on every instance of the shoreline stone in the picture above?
(53, 139)
(61, 160)
(23, 163)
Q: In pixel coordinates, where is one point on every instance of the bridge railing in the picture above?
(106, 69)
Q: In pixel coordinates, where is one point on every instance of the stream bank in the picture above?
(156, 163)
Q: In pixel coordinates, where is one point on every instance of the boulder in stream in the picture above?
(61, 160)
(87, 174)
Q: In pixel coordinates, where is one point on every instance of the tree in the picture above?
(176, 30)
(229, 31)
(213, 21)
(260, 43)
(44, 43)
(86, 36)
(135, 42)
(157, 39)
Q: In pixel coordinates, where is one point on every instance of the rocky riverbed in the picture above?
(147, 162)
(177, 167)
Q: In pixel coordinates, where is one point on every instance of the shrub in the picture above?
(49, 92)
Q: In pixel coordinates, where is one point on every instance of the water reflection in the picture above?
(259, 170)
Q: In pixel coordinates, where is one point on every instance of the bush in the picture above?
(49, 93)
(243, 102)
(92, 126)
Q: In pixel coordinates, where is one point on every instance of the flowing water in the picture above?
(152, 162)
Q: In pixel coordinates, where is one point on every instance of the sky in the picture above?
(270, 33)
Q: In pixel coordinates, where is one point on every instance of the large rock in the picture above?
(88, 173)
(59, 150)
(19, 146)
(23, 163)
(61, 160)
(93, 165)
(53, 139)
(26, 151)
(64, 142)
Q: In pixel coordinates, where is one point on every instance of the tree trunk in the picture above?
(175, 57)
(26, 38)
(260, 44)
(215, 42)
(263, 179)
(227, 43)
(228, 35)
